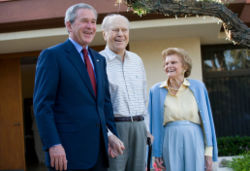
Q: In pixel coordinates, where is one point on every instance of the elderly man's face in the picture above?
(117, 35)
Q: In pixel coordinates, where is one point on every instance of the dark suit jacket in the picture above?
(66, 109)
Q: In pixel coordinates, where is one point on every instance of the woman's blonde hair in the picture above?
(186, 60)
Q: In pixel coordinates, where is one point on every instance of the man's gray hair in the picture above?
(109, 18)
(71, 12)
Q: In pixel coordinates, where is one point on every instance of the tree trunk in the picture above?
(235, 29)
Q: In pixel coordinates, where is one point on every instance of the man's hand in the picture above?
(209, 163)
(151, 137)
(159, 163)
(58, 157)
(116, 146)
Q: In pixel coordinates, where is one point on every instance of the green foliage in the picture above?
(139, 8)
(140, 11)
(241, 163)
(231, 146)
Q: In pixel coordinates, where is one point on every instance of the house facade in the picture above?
(28, 26)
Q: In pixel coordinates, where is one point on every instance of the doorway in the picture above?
(34, 155)
(11, 118)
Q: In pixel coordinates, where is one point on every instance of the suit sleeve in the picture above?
(46, 83)
(109, 116)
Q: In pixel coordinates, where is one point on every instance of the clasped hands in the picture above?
(115, 146)
(58, 156)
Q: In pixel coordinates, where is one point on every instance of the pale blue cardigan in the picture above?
(157, 97)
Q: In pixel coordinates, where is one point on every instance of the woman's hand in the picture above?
(209, 163)
(159, 163)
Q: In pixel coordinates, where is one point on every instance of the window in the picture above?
(227, 60)
(226, 73)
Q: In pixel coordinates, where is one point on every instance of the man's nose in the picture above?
(120, 32)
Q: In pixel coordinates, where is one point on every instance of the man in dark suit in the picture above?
(72, 101)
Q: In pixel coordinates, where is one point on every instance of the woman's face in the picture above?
(173, 66)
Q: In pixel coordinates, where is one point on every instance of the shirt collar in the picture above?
(77, 45)
(186, 82)
(164, 84)
(111, 55)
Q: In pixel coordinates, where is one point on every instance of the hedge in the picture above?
(231, 146)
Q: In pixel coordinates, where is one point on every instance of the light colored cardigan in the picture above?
(157, 97)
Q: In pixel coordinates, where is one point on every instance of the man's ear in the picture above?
(68, 26)
(104, 35)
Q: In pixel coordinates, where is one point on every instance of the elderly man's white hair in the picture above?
(109, 18)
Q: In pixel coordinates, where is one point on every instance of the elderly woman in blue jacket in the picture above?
(181, 118)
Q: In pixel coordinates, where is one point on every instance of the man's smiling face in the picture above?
(83, 29)
(117, 35)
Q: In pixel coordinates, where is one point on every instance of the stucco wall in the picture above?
(150, 52)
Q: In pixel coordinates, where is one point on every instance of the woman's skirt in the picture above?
(183, 147)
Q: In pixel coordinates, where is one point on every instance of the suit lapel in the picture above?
(77, 62)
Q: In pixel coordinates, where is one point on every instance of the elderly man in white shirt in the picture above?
(128, 91)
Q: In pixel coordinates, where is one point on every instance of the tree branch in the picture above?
(235, 29)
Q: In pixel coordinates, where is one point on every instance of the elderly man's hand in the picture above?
(116, 146)
(151, 137)
(58, 157)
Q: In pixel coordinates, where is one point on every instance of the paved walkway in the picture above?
(216, 166)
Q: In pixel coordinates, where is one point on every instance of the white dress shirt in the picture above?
(127, 84)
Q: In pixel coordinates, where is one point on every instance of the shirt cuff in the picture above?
(209, 151)
(110, 133)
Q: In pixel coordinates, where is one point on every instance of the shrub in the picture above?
(231, 146)
(241, 163)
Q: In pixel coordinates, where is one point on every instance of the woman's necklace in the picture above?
(172, 91)
(173, 88)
